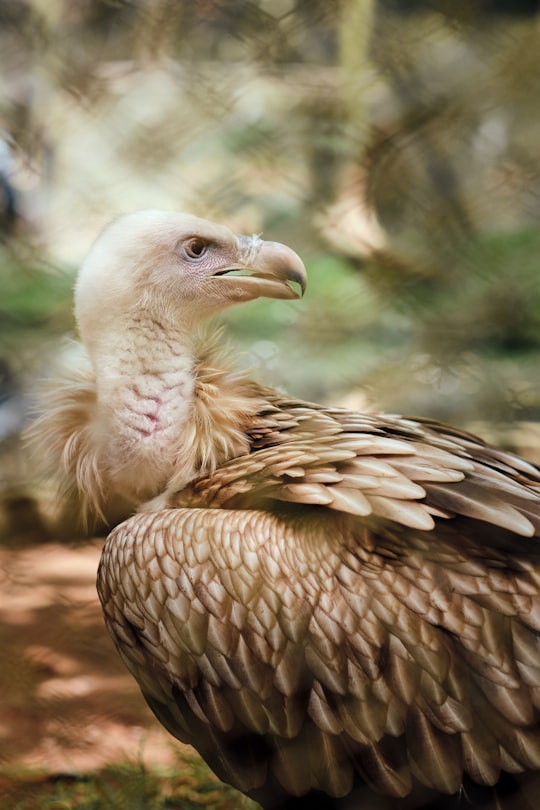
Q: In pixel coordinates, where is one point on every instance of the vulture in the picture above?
(335, 609)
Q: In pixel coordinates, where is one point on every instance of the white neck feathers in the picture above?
(147, 420)
(144, 399)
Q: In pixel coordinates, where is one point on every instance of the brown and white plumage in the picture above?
(317, 600)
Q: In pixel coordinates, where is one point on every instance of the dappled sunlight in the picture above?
(392, 144)
(68, 702)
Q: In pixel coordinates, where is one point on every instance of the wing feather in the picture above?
(360, 590)
(363, 648)
(412, 473)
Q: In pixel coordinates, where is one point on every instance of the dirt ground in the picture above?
(67, 703)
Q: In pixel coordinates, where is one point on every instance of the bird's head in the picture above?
(179, 269)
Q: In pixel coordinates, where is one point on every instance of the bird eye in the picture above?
(195, 248)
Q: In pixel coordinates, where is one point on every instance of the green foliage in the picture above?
(35, 303)
(499, 297)
(125, 786)
(459, 342)
(290, 343)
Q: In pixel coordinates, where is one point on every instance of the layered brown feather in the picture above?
(356, 599)
(323, 603)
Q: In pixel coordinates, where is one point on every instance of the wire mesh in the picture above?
(393, 144)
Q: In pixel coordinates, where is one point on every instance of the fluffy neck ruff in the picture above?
(138, 429)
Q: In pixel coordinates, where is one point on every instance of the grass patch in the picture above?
(126, 786)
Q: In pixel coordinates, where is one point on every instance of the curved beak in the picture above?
(264, 269)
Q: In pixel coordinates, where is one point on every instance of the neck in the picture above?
(149, 422)
(168, 411)
(144, 399)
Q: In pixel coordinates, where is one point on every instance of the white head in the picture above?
(177, 269)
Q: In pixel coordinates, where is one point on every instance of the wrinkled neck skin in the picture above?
(145, 389)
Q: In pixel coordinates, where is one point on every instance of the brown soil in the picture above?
(68, 704)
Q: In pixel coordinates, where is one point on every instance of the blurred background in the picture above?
(393, 143)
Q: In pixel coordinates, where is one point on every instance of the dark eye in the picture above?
(195, 248)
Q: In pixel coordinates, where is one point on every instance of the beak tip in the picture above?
(301, 280)
(277, 262)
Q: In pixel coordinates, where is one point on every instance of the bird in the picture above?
(336, 609)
